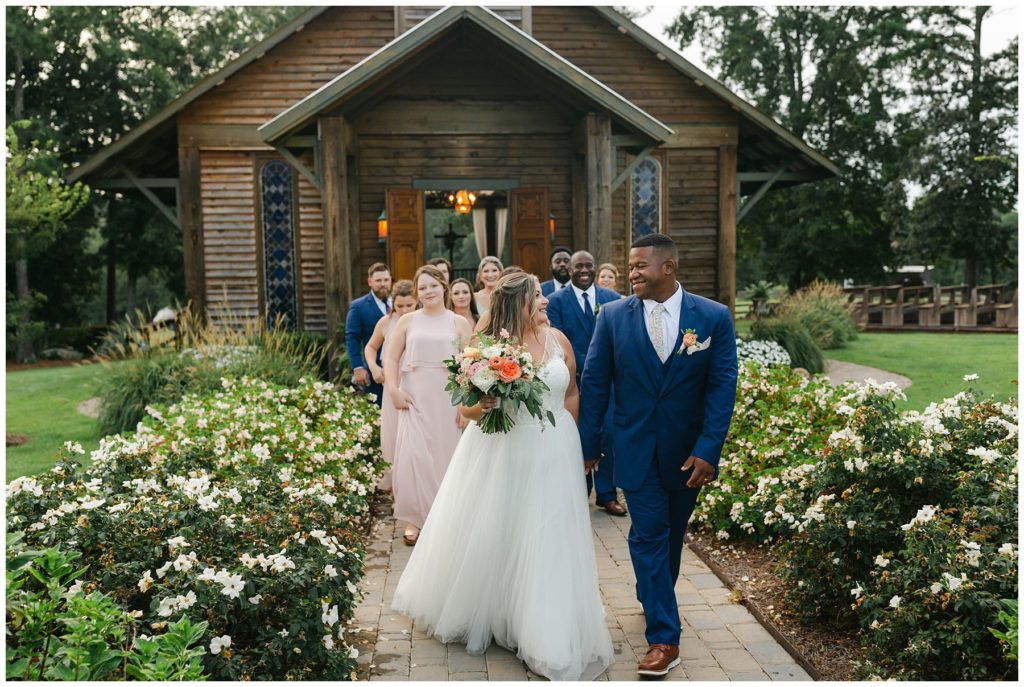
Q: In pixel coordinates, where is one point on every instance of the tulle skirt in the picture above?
(507, 552)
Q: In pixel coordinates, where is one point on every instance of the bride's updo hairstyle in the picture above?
(513, 294)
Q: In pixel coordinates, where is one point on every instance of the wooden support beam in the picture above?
(297, 164)
(600, 168)
(150, 196)
(631, 166)
(336, 218)
(727, 200)
(752, 201)
(765, 176)
(148, 182)
(191, 223)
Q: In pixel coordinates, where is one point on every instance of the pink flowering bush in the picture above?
(241, 509)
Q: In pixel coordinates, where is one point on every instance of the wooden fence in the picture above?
(993, 306)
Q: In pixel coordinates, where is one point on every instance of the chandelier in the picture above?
(462, 200)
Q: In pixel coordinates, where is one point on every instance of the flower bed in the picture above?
(240, 508)
(901, 525)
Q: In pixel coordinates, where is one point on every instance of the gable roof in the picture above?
(745, 109)
(428, 32)
(164, 118)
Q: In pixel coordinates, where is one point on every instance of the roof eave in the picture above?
(755, 115)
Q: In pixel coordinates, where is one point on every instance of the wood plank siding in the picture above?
(333, 42)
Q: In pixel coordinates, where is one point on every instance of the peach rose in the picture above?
(496, 362)
(471, 353)
(510, 371)
(689, 339)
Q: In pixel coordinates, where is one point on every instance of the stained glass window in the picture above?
(645, 201)
(279, 243)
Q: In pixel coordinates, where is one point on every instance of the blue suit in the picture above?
(363, 314)
(662, 413)
(566, 315)
(549, 287)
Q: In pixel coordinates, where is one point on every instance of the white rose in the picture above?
(484, 379)
(491, 351)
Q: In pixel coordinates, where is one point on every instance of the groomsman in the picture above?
(559, 271)
(363, 314)
(573, 311)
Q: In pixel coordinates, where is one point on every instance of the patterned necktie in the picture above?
(657, 331)
(587, 310)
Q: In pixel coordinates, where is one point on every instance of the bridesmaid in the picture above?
(608, 277)
(463, 302)
(428, 424)
(402, 301)
(487, 276)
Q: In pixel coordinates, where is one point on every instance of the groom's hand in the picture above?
(590, 466)
(703, 472)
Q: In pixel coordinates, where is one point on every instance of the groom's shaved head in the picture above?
(663, 246)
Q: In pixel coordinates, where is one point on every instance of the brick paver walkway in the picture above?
(721, 640)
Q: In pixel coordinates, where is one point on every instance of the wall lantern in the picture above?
(382, 226)
(551, 224)
(462, 200)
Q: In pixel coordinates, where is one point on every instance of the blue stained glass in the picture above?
(279, 243)
(645, 200)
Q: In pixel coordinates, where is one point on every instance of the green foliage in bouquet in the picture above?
(480, 369)
(242, 507)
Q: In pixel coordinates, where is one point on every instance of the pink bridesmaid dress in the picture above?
(427, 434)
(388, 418)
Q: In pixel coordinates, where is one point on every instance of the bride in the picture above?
(506, 551)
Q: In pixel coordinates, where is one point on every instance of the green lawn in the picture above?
(42, 404)
(937, 362)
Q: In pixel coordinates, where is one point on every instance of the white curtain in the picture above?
(501, 218)
(480, 231)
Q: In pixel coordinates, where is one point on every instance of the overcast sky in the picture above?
(997, 30)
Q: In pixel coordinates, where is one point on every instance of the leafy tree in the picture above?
(38, 204)
(963, 144)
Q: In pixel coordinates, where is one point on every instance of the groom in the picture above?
(671, 356)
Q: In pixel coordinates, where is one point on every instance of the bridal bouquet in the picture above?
(497, 367)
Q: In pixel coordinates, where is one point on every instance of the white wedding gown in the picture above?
(506, 551)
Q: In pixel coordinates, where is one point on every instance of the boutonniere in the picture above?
(597, 308)
(690, 344)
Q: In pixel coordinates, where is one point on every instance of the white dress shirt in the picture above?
(591, 296)
(669, 318)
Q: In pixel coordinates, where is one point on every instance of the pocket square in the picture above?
(706, 343)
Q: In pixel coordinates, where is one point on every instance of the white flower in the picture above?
(187, 600)
(484, 378)
(167, 606)
(145, 582)
(233, 586)
(329, 615)
(118, 507)
(74, 447)
(970, 377)
(283, 633)
(881, 561)
(74, 589)
(936, 587)
(328, 642)
(351, 587)
(954, 583)
(1006, 549)
(162, 570)
(176, 542)
(184, 563)
(894, 602)
(857, 591)
(330, 571)
(353, 652)
(218, 643)
(973, 552)
(491, 351)
(255, 600)
(208, 575)
(850, 524)
(987, 455)
(925, 514)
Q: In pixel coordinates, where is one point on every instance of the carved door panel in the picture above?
(405, 232)
(531, 238)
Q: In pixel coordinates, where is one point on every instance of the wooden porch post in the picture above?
(727, 199)
(600, 169)
(191, 219)
(337, 263)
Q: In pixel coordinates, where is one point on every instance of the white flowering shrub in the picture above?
(763, 352)
(907, 527)
(241, 508)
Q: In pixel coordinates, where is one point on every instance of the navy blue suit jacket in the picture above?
(566, 315)
(548, 287)
(660, 412)
(363, 314)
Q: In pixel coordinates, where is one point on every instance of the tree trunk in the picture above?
(24, 352)
(129, 292)
(971, 272)
(111, 280)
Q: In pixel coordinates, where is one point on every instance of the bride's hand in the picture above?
(461, 421)
(488, 403)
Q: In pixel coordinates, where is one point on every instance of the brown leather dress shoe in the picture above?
(660, 659)
(613, 507)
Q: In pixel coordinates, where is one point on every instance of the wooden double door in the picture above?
(529, 213)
